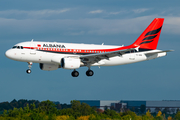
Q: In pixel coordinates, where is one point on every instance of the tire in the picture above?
(75, 73)
(28, 71)
(89, 73)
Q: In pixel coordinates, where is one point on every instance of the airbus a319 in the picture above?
(52, 55)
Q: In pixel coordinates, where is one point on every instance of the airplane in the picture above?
(53, 55)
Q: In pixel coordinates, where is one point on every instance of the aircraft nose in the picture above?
(8, 54)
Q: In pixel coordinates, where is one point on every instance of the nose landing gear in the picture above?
(28, 71)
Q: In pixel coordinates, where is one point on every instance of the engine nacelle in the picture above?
(70, 63)
(48, 67)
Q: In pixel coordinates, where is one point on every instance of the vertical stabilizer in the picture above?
(150, 37)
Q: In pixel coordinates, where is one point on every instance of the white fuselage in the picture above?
(52, 52)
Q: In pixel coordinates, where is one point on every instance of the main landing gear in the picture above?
(88, 73)
(75, 73)
(28, 71)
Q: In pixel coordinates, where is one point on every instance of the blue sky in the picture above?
(115, 22)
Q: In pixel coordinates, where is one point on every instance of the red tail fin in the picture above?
(149, 38)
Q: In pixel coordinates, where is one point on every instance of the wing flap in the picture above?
(107, 55)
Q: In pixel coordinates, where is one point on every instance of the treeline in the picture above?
(16, 104)
(47, 110)
(23, 103)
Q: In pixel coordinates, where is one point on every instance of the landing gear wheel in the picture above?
(89, 73)
(75, 73)
(28, 71)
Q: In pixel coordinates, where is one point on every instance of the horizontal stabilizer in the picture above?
(159, 52)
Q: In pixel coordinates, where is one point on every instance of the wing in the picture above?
(149, 54)
(158, 52)
(93, 58)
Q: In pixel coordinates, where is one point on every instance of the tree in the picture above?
(177, 110)
(149, 109)
(105, 107)
(172, 110)
(81, 109)
(166, 111)
(177, 116)
(142, 108)
(76, 105)
(5, 113)
(86, 109)
(157, 109)
(32, 106)
(47, 106)
(133, 109)
(169, 118)
(26, 109)
(58, 106)
(148, 114)
(111, 113)
(159, 114)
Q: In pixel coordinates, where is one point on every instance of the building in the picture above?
(169, 106)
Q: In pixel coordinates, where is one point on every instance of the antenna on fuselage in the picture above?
(32, 40)
(102, 43)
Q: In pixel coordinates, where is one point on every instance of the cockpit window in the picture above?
(14, 47)
(18, 47)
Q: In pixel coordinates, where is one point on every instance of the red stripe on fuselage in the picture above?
(79, 50)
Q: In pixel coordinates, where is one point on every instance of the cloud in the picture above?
(31, 14)
(119, 12)
(130, 11)
(140, 10)
(79, 27)
(172, 25)
(96, 26)
(96, 11)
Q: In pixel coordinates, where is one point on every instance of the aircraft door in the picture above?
(132, 55)
(23, 53)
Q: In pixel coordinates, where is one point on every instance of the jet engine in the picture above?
(70, 63)
(48, 67)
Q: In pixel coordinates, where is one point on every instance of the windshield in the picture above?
(14, 47)
(18, 47)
